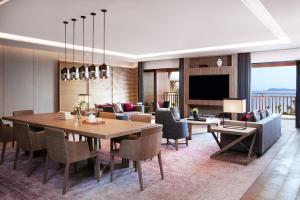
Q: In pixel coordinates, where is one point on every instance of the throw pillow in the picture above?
(246, 117)
(175, 113)
(128, 107)
(263, 114)
(118, 107)
(256, 115)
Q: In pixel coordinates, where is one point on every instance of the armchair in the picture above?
(172, 129)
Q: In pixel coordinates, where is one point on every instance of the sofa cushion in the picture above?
(256, 116)
(102, 105)
(128, 107)
(175, 113)
(263, 114)
(118, 107)
(268, 112)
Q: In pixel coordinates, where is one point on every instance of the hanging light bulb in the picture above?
(82, 74)
(64, 71)
(73, 70)
(92, 68)
(104, 72)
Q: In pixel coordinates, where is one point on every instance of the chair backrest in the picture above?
(22, 112)
(108, 115)
(164, 117)
(142, 118)
(145, 147)
(22, 134)
(56, 145)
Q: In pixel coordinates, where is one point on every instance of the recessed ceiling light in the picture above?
(3, 2)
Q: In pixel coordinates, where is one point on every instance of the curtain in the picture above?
(140, 82)
(297, 103)
(244, 77)
(181, 87)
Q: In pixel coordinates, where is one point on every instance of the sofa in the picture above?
(268, 132)
(120, 112)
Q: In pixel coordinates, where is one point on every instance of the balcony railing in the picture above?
(283, 103)
(173, 97)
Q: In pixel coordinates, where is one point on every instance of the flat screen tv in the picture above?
(209, 87)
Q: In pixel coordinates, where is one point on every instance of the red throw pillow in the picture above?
(246, 117)
(128, 107)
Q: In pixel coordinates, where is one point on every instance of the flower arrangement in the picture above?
(78, 108)
(195, 112)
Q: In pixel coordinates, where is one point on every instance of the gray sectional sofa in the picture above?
(268, 132)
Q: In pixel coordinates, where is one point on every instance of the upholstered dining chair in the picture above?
(140, 149)
(6, 135)
(108, 115)
(64, 151)
(27, 112)
(28, 140)
(172, 129)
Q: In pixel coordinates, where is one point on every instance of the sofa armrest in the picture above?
(139, 108)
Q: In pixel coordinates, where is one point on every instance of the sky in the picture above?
(273, 77)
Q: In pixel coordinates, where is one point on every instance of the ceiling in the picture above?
(151, 30)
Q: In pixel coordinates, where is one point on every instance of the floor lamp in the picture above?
(234, 105)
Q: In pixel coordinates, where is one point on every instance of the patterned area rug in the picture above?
(189, 174)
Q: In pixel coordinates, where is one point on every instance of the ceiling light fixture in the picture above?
(64, 71)
(3, 2)
(92, 68)
(104, 73)
(82, 69)
(73, 68)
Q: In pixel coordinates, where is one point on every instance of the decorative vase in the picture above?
(219, 62)
(195, 115)
(78, 115)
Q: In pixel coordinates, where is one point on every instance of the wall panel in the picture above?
(45, 82)
(18, 79)
(1, 81)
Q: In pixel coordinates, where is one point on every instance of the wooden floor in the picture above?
(281, 179)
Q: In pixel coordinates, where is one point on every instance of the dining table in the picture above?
(108, 129)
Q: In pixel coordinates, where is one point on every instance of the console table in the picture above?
(209, 122)
(240, 134)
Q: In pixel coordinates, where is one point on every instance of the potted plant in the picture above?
(78, 108)
(195, 112)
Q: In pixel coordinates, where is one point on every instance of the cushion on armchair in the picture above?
(118, 107)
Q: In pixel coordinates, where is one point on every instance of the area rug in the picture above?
(189, 174)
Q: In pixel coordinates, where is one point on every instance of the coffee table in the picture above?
(241, 134)
(209, 122)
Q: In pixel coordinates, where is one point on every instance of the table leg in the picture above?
(216, 139)
(190, 131)
(251, 147)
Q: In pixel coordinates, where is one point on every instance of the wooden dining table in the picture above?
(111, 128)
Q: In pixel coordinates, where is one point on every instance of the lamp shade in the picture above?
(234, 105)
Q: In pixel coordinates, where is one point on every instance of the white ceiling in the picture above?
(145, 30)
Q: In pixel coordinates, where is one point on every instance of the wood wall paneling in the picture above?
(18, 80)
(163, 85)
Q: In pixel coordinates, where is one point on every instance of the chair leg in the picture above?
(160, 165)
(66, 177)
(97, 168)
(80, 137)
(134, 165)
(16, 157)
(46, 170)
(112, 158)
(73, 135)
(167, 141)
(187, 141)
(13, 143)
(3, 152)
(30, 163)
(176, 144)
(140, 175)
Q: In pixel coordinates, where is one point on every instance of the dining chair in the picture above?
(27, 112)
(145, 147)
(27, 140)
(6, 135)
(108, 115)
(67, 152)
(146, 118)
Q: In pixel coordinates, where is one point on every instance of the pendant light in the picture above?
(92, 68)
(64, 71)
(73, 73)
(82, 74)
(104, 69)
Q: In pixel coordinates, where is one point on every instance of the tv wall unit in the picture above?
(207, 66)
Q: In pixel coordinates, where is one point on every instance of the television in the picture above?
(209, 87)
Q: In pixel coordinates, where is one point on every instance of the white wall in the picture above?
(28, 80)
(157, 64)
(276, 55)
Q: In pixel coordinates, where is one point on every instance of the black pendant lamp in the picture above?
(92, 68)
(73, 73)
(104, 68)
(64, 71)
(82, 74)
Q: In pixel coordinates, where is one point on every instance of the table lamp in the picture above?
(234, 105)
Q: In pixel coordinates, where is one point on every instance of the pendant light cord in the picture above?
(83, 17)
(104, 37)
(65, 22)
(73, 38)
(93, 14)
